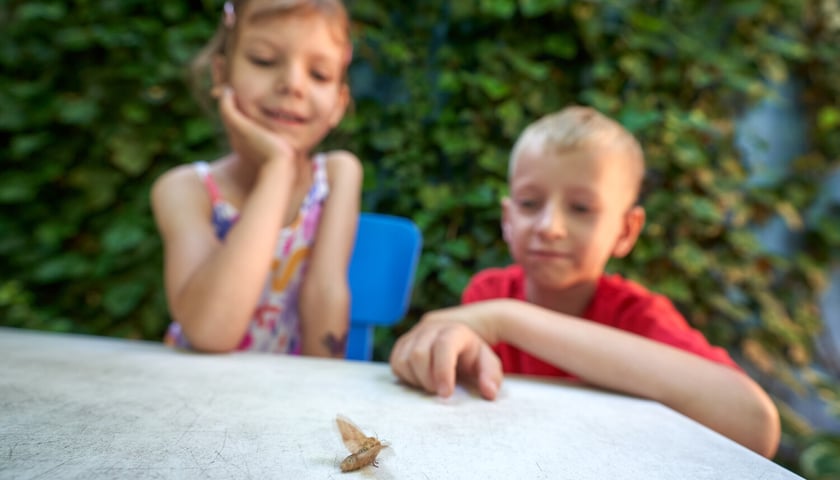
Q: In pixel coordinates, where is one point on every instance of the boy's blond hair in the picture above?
(581, 128)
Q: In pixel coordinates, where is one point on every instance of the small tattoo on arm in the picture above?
(336, 346)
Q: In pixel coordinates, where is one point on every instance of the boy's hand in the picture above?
(247, 137)
(431, 354)
(481, 317)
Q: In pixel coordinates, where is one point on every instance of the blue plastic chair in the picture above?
(381, 277)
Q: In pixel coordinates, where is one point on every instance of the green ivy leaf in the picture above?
(122, 236)
(78, 111)
(535, 8)
(828, 119)
(561, 46)
(66, 266)
(131, 155)
(41, 11)
(690, 257)
(17, 187)
(498, 8)
(121, 298)
(822, 459)
(492, 86)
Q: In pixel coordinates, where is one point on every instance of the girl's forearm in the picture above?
(217, 302)
(325, 314)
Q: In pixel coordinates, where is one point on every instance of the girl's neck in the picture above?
(244, 172)
(572, 300)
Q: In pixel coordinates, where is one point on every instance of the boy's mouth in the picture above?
(549, 254)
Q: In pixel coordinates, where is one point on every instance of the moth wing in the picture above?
(369, 456)
(351, 435)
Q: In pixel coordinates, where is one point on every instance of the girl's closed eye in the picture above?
(528, 204)
(261, 60)
(321, 75)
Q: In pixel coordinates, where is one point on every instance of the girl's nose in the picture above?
(291, 80)
(552, 223)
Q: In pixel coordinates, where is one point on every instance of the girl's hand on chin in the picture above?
(247, 137)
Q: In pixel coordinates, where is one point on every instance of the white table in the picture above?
(92, 407)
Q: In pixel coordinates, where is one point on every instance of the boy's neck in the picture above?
(572, 300)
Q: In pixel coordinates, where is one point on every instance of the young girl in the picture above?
(257, 243)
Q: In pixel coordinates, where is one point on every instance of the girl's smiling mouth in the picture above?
(286, 117)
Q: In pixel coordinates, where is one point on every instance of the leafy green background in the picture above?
(95, 107)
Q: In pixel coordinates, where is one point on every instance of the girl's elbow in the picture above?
(211, 342)
(208, 344)
(203, 338)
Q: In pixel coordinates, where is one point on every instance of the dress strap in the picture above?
(320, 187)
(224, 215)
(203, 171)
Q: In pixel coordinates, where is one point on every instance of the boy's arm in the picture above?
(717, 396)
(325, 294)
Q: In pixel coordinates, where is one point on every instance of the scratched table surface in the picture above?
(87, 407)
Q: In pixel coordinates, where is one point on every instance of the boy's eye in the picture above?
(581, 208)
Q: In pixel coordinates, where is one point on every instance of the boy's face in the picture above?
(568, 213)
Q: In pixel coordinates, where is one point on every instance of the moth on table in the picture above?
(363, 449)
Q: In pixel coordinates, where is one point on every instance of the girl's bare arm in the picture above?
(325, 294)
(213, 287)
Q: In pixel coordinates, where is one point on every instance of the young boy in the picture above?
(574, 178)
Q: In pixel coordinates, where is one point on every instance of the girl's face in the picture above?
(567, 214)
(287, 71)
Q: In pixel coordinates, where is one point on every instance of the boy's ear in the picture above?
(506, 219)
(341, 107)
(634, 220)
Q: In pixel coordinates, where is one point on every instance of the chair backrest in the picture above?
(381, 277)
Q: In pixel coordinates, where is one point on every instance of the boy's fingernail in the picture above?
(442, 390)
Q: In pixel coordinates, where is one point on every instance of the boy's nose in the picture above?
(552, 223)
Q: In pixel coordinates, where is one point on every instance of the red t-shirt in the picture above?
(617, 303)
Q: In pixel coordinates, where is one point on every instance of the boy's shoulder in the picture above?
(509, 282)
(513, 275)
(614, 283)
(510, 274)
(628, 305)
(616, 290)
(496, 282)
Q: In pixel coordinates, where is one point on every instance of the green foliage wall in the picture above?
(95, 107)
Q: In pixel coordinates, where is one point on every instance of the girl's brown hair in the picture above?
(233, 18)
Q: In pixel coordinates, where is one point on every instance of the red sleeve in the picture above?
(508, 283)
(628, 306)
(482, 286)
